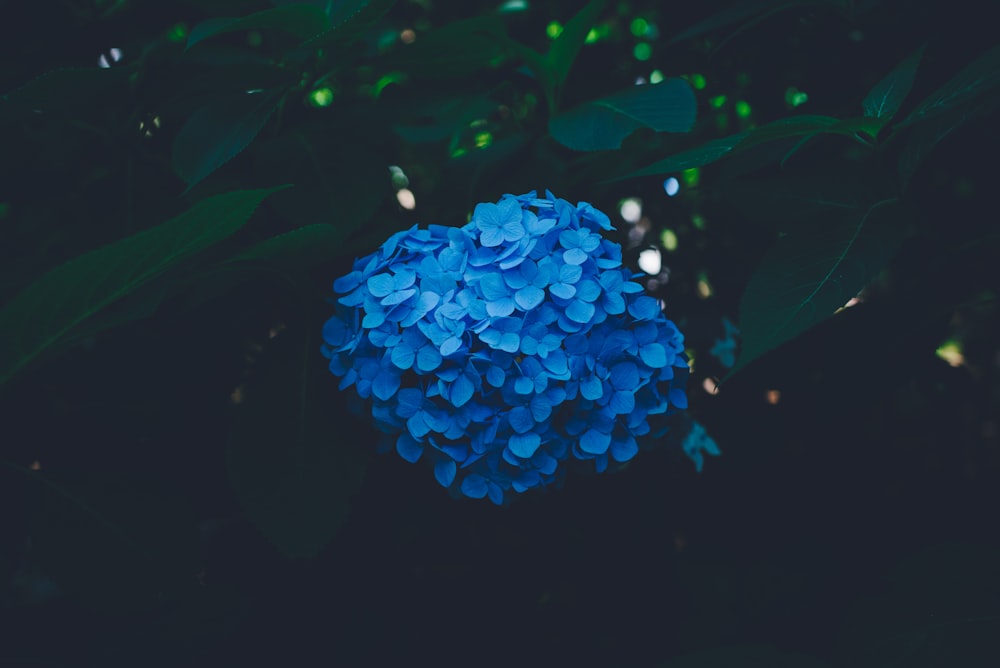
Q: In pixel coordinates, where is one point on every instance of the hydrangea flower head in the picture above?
(502, 350)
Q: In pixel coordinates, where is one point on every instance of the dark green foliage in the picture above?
(162, 295)
(292, 462)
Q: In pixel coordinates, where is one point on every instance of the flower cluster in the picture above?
(503, 348)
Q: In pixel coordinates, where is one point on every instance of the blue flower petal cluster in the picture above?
(502, 349)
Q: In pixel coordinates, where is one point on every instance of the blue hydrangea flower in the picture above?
(502, 351)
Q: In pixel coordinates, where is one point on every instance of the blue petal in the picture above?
(678, 398)
(385, 384)
(570, 273)
(622, 402)
(450, 345)
(588, 290)
(409, 401)
(510, 343)
(501, 308)
(574, 256)
(653, 355)
(428, 359)
(461, 391)
(417, 425)
(345, 284)
(521, 420)
(474, 486)
(579, 311)
(625, 376)
(408, 448)
(494, 287)
(495, 493)
(381, 285)
(495, 376)
(490, 238)
(563, 290)
(591, 388)
(529, 297)
(403, 355)
(445, 472)
(644, 308)
(595, 442)
(622, 451)
(524, 445)
(524, 385)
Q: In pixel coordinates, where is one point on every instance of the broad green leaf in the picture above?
(301, 20)
(443, 117)
(349, 20)
(217, 133)
(291, 462)
(604, 123)
(456, 49)
(747, 656)
(813, 271)
(884, 100)
(926, 136)
(304, 248)
(565, 48)
(798, 126)
(750, 12)
(976, 78)
(51, 307)
(705, 154)
(113, 542)
(63, 90)
(794, 126)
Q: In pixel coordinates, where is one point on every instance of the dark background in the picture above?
(852, 523)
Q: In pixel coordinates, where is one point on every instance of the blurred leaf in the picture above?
(291, 463)
(797, 126)
(926, 136)
(456, 49)
(217, 133)
(785, 128)
(565, 48)
(705, 154)
(51, 307)
(754, 10)
(64, 90)
(884, 100)
(442, 117)
(812, 272)
(304, 248)
(113, 541)
(301, 20)
(744, 656)
(349, 20)
(976, 78)
(604, 123)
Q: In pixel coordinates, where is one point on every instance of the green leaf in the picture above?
(349, 20)
(705, 154)
(604, 123)
(794, 126)
(217, 133)
(976, 78)
(746, 656)
(291, 465)
(884, 100)
(112, 541)
(812, 272)
(754, 11)
(808, 124)
(301, 20)
(926, 136)
(51, 307)
(304, 248)
(63, 90)
(456, 49)
(442, 117)
(565, 48)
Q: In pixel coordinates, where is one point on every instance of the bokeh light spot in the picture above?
(671, 186)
